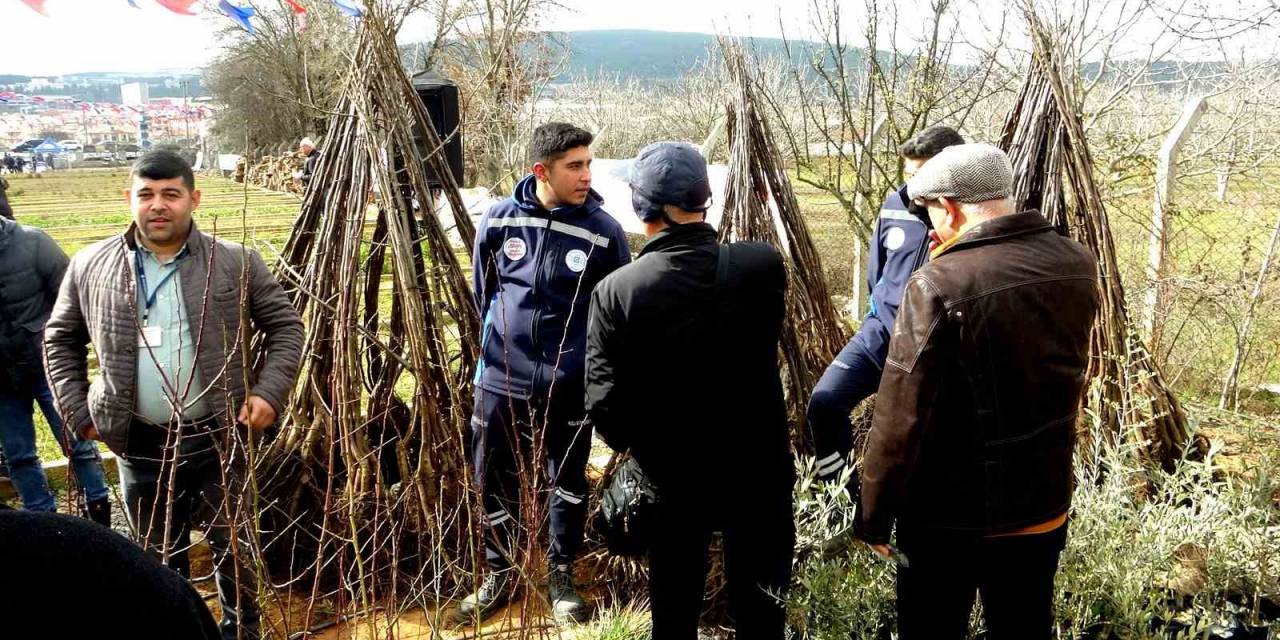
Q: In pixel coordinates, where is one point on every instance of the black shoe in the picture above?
(566, 604)
(487, 600)
(99, 511)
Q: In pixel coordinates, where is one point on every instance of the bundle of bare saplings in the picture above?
(1053, 173)
(363, 494)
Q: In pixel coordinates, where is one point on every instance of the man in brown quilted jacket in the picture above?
(165, 307)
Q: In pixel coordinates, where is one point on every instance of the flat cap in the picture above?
(964, 173)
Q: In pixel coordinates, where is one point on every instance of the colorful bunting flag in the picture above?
(178, 6)
(240, 14)
(299, 15)
(349, 7)
(134, 4)
(37, 6)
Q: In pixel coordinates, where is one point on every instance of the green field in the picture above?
(78, 208)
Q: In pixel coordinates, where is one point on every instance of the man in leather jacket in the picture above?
(971, 445)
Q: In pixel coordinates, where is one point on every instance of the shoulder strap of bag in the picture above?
(722, 270)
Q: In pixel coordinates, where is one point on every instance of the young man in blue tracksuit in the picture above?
(538, 255)
(899, 245)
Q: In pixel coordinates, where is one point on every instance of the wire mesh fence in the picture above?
(1204, 278)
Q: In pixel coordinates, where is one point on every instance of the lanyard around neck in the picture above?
(149, 298)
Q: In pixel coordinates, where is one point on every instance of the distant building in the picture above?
(134, 94)
(43, 84)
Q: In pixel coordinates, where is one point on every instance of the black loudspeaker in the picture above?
(440, 96)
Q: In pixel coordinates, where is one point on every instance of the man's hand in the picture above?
(89, 433)
(882, 549)
(257, 414)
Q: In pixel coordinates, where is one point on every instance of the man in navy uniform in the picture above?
(899, 245)
(538, 255)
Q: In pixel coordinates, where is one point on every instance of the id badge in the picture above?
(150, 337)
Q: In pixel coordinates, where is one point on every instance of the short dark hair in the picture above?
(552, 140)
(162, 164)
(930, 142)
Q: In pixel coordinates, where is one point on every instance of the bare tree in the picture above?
(495, 53)
(906, 88)
(280, 82)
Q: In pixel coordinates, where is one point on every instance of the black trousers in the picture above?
(502, 449)
(759, 540)
(206, 492)
(1013, 574)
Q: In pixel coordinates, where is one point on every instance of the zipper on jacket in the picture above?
(539, 256)
(546, 273)
(131, 267)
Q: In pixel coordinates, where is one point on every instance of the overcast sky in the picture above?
(107, 35)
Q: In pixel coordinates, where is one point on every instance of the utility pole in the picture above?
(186, 106)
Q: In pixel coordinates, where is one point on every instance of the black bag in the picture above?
(627, 511)
(628, 505)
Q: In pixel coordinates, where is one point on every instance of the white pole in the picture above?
(1161, 222)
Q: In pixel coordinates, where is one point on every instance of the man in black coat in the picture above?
(5, 210)
(31, 269)
(120, 589)
(682, 371)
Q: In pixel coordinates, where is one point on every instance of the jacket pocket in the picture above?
(226, 295)
(1028, 476)
(224, 312)
(112, 432)
(494, 342)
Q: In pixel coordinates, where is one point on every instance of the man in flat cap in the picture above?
(682, 371)
(970, 448)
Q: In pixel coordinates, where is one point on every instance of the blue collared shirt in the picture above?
(168, 369)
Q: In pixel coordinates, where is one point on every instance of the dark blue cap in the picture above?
(671, 173)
